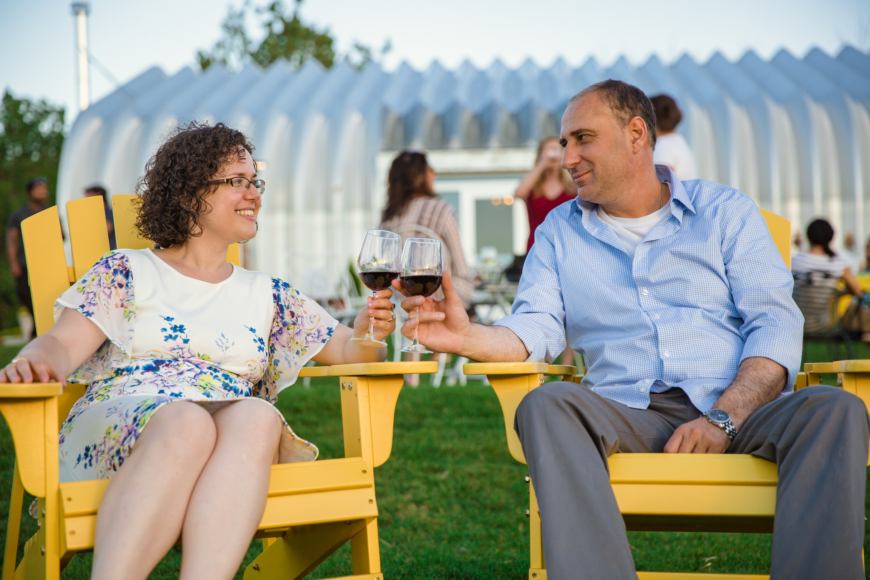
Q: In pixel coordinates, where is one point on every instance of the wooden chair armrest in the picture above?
(30, 390)
(819, 368)
(506, 368)
(849, 366)
(383, 368)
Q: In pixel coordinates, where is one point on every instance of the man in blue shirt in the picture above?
(681, 304)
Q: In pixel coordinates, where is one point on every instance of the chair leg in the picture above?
(294, 555)
(365, 550)
(442, 363)
(537, 567)
(13, 528)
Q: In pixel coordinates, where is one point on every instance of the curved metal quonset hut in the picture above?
(794, 134)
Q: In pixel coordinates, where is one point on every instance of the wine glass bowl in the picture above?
(422, 267)
(378, 266)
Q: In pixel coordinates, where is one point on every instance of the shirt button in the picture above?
(644, 291)
(667, 354)
(656, 316)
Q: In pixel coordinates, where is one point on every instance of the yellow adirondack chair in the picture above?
(664, 492)
(312, 508)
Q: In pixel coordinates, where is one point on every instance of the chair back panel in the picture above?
(126, 233)
(88, 234)
(780, 231)
(46, 264)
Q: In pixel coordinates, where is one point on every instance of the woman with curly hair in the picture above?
(184, 355)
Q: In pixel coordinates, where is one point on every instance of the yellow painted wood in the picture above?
(25, 420)
(29, 390)
(697, 500)
(46, 264)
(126, 234)
(316, 476)
(697, 576)
(314, 372)
(365, 552)
(691, 469)
(536, 544)
(10, 552)
(301, 550)
(378, 576)
(501, 368)
(88, 234)
(383, 392)
(384, 368)
(52, 522)
(356, 420)
(81, 498)
(72, 393)
(537, 574)
(851, 366)
(801, 381)
(326, 506)
(780, 231)
(510, 390)
(819, 368)
(563, 370)
(234, 255)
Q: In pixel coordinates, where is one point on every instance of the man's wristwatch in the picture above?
(722, 420)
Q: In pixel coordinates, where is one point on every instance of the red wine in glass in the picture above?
(377, 280)
(421, 285)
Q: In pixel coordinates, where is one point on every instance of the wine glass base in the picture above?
(418, 348)
(368, 342)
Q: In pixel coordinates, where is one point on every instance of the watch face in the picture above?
(718, 415)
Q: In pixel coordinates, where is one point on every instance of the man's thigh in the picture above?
(575, 409)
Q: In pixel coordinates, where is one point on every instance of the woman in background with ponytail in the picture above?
(817, 273)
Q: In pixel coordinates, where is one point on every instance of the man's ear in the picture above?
(637, 134)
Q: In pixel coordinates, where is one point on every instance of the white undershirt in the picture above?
(632, 231)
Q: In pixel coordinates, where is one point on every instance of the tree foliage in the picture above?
(284, 36)
(31, 136)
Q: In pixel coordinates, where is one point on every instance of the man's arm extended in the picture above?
(447, 328)
(758, 382)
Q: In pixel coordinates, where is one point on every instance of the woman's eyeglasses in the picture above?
(241, 184)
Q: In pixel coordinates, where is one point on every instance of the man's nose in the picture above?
(570, 158)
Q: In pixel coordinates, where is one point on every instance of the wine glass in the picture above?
(378, 266)
(421, 275)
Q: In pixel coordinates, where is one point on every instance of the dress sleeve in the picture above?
(105, 296)
(300, 328)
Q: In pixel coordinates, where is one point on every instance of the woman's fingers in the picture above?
(23, 368)
(12, 373)
(3, 377)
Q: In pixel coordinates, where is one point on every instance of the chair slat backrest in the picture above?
(780, 231)
(46, 264)
(88, 233)
(125, 219)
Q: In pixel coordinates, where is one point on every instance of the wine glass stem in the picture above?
(417, 329)
(371, 333)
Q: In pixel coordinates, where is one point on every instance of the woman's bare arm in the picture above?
(527, 184)
(57, 353)
(852, 283)
(340, 350)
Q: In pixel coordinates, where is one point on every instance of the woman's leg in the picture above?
(228, 501)
(142, 512)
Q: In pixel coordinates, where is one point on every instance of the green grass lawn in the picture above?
(452, 501)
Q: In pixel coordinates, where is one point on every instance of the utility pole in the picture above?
(81, 10)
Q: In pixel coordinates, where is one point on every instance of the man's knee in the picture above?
(834, 406)
(543, 401)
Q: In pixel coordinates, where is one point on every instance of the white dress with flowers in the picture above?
(174, 338)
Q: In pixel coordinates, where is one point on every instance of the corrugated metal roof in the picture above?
(792, 133)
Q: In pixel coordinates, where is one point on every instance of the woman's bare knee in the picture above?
(253, 424)
(183, 430)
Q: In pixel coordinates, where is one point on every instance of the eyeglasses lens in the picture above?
(241, 184)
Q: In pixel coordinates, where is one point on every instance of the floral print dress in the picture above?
(174, 338)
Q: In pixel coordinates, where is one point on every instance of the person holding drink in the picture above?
(184, 355)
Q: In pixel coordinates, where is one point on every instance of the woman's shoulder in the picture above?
(807, 262)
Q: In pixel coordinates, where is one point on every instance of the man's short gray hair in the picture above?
(626, 101)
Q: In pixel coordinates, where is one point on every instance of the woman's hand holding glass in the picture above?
(378, 266)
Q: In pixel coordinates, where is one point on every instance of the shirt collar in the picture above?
(664, 174)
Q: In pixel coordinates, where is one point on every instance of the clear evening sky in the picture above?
(127, 37)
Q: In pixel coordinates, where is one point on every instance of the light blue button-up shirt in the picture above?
(705, 290)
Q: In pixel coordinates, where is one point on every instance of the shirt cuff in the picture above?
(778, 345)
(532, 336)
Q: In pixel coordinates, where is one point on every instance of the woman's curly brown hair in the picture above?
(173, 191)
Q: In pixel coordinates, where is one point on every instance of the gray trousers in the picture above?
(818, 437)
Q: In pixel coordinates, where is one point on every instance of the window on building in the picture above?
(495, 225)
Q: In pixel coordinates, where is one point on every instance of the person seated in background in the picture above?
(671, 148)
(678, 299)
(184, 354)
(817, 273)
(99, 190)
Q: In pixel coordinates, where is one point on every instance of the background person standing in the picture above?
(37, 194)
(671, 149)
